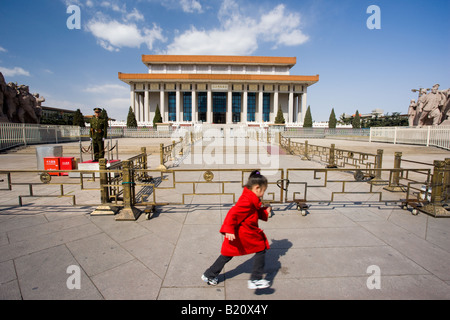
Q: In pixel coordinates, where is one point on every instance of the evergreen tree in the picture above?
(308, 119)
(105, 117)
(131, 119)
(157, 118)
(332, 121)
(356, 123)
(78, 119)
(279, 119)
(344, 120)
(394, 120)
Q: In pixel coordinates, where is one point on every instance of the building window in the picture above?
(236, 107)
(187, 106)
(202, 106)
(219, 107)
(172, 106)
(266, 107)
(251, 106)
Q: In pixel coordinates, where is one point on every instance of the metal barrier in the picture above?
(109, 149)
(332, 156)
(128, 186)
(432, 198)
(23, 184)
(170, 152)
(334, 182)
(292, 185)
(179, 187)
(199, 182)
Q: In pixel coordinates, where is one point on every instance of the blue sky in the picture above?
(360, 69)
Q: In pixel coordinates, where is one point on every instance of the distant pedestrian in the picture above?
(242, 233)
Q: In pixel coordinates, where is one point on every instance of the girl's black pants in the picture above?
(257, 272)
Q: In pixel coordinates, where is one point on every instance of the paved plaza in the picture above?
(338, 251)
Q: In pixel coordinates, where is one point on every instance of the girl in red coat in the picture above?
(242, 233)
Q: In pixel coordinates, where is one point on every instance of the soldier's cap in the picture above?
(97, 110)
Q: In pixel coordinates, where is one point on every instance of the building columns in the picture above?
(179, 116)
(303, 105)
(146, 103)
(194, 106)
(275, 102)
(161, 103)
(133, 98)
(259, 113)
(291, 105)
(137, 111)
(244, 118)
(209, 106)
(296, 103)
(230, 105)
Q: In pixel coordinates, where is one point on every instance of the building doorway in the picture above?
(220, 107)
(202, 106)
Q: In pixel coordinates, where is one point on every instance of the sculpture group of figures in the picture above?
(17, 104)
(431, 109)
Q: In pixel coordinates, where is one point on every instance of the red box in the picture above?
(66, 164)
(52, 163)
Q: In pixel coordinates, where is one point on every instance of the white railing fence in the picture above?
(438, 136)
(325, 132)
(14, 135)
(146, 132)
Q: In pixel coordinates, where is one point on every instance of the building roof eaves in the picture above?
(204, 59)
(130, 77)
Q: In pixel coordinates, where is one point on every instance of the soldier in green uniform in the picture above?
(98, 134)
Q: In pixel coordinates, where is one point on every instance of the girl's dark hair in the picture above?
(256, 178)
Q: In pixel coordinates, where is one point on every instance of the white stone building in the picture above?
(218, 89)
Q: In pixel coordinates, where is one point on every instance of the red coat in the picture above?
(242, 221)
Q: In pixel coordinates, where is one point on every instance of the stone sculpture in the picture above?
(446, 109)
(17, 104)
(431, 108)
(412, 113)
(3, 117)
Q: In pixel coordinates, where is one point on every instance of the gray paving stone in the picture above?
(43, 275)
(429, 256)
(326, 262)
(27, 233)
(120, 232)
(22, 220)
(98, 253)
(438, 233)
(324, 255)
(167, 226)
(408, 287)
(196, 250)
(35, 244)
(153, 251)
(129, 281)
(10, 291)
(7, 272)
(320, 237)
